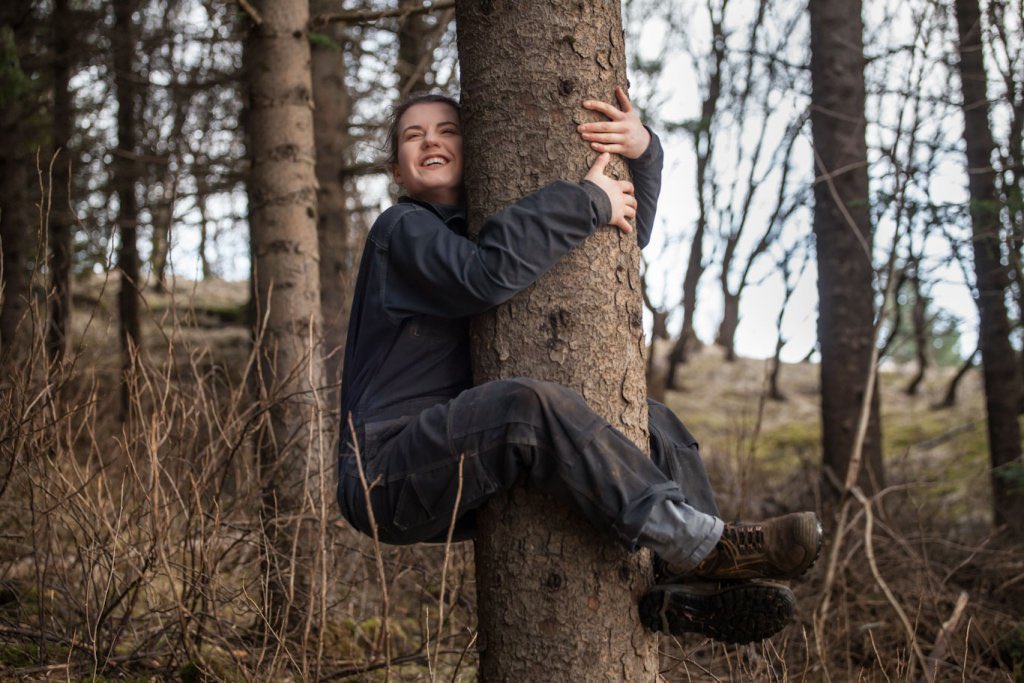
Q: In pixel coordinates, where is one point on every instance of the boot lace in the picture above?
(745, 537)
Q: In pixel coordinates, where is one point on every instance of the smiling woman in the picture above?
(429, 153)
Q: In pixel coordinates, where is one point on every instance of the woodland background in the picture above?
(151, 470)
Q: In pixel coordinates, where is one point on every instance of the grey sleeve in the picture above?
(434, 271)
(646, 173)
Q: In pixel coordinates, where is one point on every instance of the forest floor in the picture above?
(133, 550)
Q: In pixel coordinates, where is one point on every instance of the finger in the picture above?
(603, 127)
(623, 225)
(603, 107)
(624, 104)
(626, 187)
(611, 149)
(630, 212)
(597, 168)
(606, 138)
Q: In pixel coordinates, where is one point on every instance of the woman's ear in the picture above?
(396, 174)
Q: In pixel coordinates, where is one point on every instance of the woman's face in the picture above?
(430, 153)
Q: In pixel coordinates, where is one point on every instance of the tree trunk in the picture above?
(18, 219)
(730, 321)
(414, 59)
(338, 260)
(921, 336)
(557, 600)
(843, 232)
(125, 176)
(61, 219)
(999, 366)
(293, 447)
(949, 400)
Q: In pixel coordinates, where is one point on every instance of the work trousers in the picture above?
(521, 430)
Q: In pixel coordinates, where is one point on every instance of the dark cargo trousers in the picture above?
(508, 431)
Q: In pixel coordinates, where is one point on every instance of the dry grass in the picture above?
(135, 549)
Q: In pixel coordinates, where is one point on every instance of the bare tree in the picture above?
(1001, 371)
(294, 446)
(843, 231)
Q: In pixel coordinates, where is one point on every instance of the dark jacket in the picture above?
(421, 278)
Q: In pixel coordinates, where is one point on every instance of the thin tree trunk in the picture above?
(338, 260)
(413, 57)
(999, 365)
(204, 229)
(125, 177)
(557, 600)
(949, 400)
(61, 220)
(918, 318)
(294, 447)
(842, 227)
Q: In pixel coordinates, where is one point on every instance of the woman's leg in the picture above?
(511, 430)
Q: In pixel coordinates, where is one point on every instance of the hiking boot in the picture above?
(742, 612)
(779, 548)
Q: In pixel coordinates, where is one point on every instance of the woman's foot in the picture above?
(779, 548)
(741, 612)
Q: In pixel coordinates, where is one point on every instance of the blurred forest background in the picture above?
(166, 503)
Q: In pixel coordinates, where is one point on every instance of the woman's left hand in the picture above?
(623, 133)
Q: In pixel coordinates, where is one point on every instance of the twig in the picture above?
(381, 575)
(444, 566)
(253, 13)
(362, 16)
(869, 551)
(941, 641)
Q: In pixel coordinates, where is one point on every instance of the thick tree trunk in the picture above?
(18, 219)
(338, 260)
(557, 598)
(1001, 371)
(125, 176)
(843, 232)
(61, 219)
(293, 447)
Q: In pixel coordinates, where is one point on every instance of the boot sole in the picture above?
(739, 613)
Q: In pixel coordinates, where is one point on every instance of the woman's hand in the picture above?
(623, 133)
(620, 193)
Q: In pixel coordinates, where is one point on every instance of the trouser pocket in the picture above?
(429, 497)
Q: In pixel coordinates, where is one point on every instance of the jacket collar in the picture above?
(453, 216)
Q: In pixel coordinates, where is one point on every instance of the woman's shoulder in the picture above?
(404, 213)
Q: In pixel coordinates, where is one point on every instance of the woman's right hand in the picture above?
(620, 193)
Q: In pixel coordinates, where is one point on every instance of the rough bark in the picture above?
(999, 365)
(61, 219)
(556, 597)
(125, 177)
(843, 232)
(293, 447)
(338, 258)
(18, 220)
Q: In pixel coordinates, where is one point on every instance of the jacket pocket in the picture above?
(431, 494)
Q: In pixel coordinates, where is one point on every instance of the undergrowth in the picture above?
(133, 549)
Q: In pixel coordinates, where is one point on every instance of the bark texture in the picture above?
(293, 446)
(843, 231)
(999, 366)
(338, 256)
(557, 598)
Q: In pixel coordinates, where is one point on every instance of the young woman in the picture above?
(415, 413)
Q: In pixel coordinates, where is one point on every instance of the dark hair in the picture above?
(399, 111)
